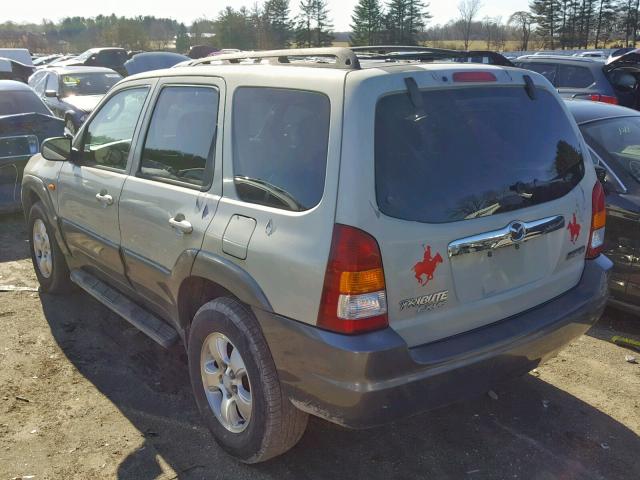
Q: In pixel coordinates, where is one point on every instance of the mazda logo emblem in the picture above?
(517, 231)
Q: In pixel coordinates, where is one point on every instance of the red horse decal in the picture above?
(427, 266)
(574, 229)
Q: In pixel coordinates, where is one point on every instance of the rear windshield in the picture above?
(13, 103)
(472, 152)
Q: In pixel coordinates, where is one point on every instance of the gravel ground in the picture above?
(85, 395)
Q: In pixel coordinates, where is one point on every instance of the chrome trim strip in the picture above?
(504, 236)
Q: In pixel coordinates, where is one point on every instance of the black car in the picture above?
(613, 136)
(111, 57)
(147, 61)
(73, 92)
(616, 81)
(25, 122)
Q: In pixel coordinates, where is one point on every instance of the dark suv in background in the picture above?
(615, 81)
(111, 57)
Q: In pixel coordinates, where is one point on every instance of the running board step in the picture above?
(144, 321)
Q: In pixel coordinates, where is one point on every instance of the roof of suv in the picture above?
(333, 62)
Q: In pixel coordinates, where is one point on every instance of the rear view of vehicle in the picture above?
(475, 235)
(586, 78)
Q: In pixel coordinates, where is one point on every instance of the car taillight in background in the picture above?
(596, 97)
(598, 220)
(354, 298)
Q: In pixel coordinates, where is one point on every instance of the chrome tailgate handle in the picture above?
(513, 234)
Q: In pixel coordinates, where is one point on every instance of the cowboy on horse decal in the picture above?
(427, 266)
(574, 229)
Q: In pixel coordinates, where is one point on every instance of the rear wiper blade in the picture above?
(530, 87)
(416, 98)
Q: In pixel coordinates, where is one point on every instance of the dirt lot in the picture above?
(85, 395)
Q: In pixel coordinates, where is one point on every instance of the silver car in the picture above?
(356, 237)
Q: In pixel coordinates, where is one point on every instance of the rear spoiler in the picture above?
(13, 70)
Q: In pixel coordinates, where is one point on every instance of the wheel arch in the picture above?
(211, 277)
(33, 190)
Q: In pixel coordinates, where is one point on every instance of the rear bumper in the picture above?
(371, 379)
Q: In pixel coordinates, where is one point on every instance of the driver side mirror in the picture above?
(601, 173)
(57, 149)
(50, 93)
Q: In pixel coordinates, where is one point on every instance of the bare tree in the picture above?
(468, 10)
(523, 20)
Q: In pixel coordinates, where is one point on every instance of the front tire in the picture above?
(48, 261)
(236, 385)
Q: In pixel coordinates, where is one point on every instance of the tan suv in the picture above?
(357, 236)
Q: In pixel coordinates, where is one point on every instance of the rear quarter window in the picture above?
(570, 76)
(547, 70)
(280, 142)
(473, 152)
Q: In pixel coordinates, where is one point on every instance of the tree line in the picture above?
(582, 24)
(566, 24)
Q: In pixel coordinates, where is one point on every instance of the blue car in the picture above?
(73, 92)
(25, 122)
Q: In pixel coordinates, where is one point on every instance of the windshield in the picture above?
(13, 103)
(617, 140)
(472, 152)
(85, 55)
(87, 83)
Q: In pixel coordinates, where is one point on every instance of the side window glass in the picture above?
(39, 83)
(180, 142)
(52, 82)
(570, 76)
(107, 138)
(548, 70)
(280, 141)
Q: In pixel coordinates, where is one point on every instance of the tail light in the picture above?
(603, 98)
(474, 77)
(354, 297)
(598, 220)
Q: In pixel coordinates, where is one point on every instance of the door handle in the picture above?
(180, 224)
(104, 198)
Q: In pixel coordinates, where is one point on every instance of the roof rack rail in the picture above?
(350, 58)
(345, 58)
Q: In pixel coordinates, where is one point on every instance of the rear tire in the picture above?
(274, 425)
(48, 260)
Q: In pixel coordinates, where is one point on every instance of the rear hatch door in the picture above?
(483, 208)
(629, 60)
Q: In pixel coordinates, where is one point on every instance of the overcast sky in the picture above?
(36, 10)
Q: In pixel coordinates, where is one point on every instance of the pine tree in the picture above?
(404, 19)
(367, 23)
(547, 17)
(313, 24)
(278, 24)
(182, 39)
